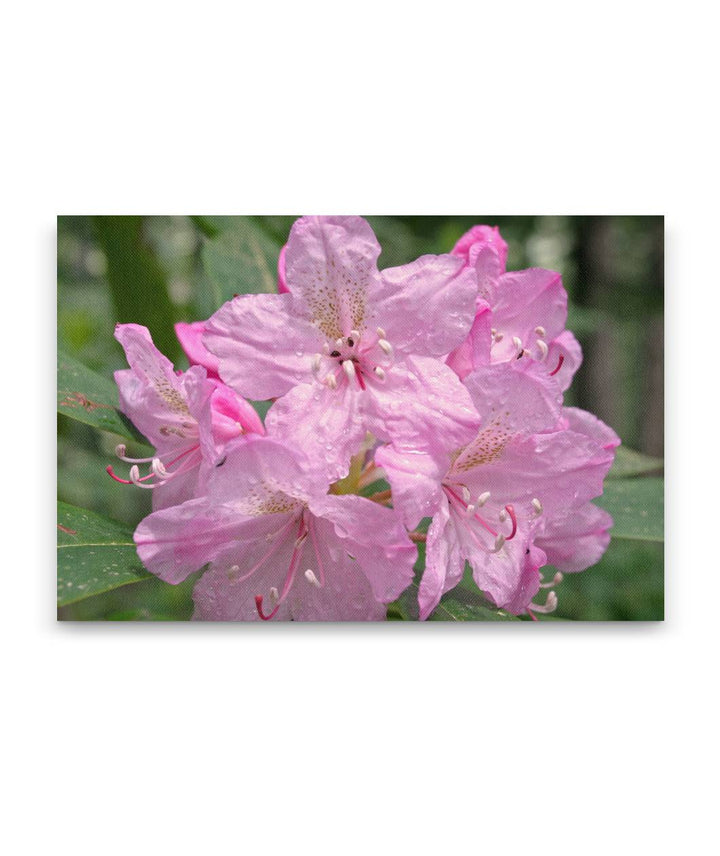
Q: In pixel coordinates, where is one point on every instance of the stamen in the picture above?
(550, 604)
(482, 499)
(380, 373)
(233, 573)
(499, 542)
(385, 346)
(499, 337)
(558, 366)
(274, 595)
(537, 505)
(311, 578)
(158, 469)
(517, 342)
(355, 335)
(471, 509)
(465, 493)
(540, 331)
(381, 333)
(340, 342)
(493, 332)
(330, 381)
(316, 363)
(120, 451)
(503, 516)
(555, 581)
(543, 348)
(326, 349)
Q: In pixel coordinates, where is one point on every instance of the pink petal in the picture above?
(475, 349)
(282, 281)
(190, 337)
(481, 237)
(422, 406)
(516, 396)
(374, 536)
(151, 394)
(175, 542)
(564, 358)
(415, 479)
(264, 344)
(330, 264)
(328, 425)
(577, 539)
(426, 307)
(586, 423)
(444, 562)
(526, 300)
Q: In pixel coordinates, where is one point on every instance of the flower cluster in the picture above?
(443, 378)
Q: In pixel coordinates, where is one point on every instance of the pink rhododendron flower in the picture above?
(280, 546)
(351, 349)
(524, 312)
(187, 417)
(490, 505)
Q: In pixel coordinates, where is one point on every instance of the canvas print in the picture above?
(346, 418)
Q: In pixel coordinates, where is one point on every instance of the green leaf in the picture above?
(95, 555)
(241, 260)
(628, 463)
(138, 283)
(90, 398)
(637, 507)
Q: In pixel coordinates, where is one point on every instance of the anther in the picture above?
(135, 474)
(158, 468)
(493, 332)
(349, 367)
(381, 333)
(517, 342)
(120, 450)
(316, 363)
(540, 331)
(483, 498)
(233, 573)
(465, 493)
(274, 595)
(354, 334)
(330, 382)
(326, 349)
(312, 579)
(340, 342)
(499, 337)
(555, 581)
(379, 372)
(503, 516)
(543, 348)
(385, 346)
(471, 509)
(537, 505)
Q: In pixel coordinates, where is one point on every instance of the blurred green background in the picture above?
(154, 271)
